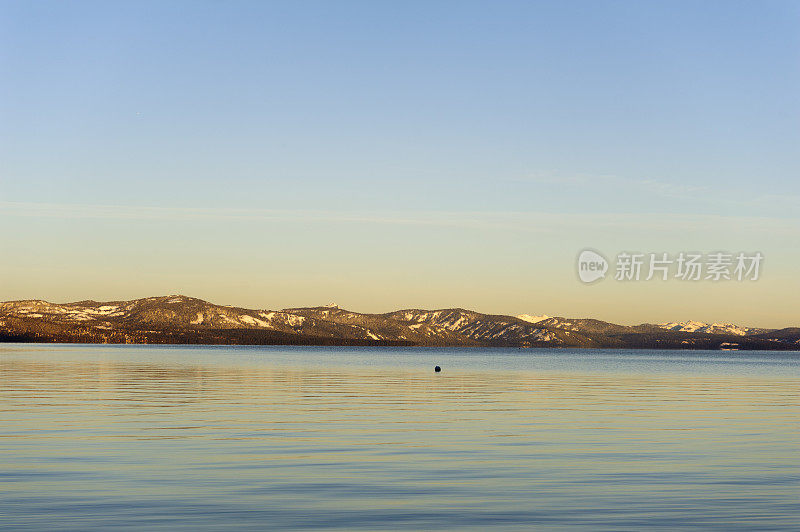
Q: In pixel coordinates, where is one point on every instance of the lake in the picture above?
(212, 438)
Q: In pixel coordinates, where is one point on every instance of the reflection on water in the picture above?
(214, 438)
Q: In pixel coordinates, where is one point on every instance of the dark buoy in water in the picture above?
(437, 369)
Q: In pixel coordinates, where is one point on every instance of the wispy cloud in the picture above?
(589, 181)
(517, 221)
(137, 212)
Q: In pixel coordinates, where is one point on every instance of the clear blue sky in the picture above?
(391, 154)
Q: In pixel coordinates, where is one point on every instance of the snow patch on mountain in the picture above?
(249, 320)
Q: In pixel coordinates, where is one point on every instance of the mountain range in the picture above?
(185, 320)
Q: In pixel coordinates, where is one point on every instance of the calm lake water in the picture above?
(142, 437)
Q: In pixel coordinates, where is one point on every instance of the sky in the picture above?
(386, 155)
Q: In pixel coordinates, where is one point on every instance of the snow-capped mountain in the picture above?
(174, 311)
(174, 314)
(532, 319)
(477, 326)
(710, 328)
(182, 319)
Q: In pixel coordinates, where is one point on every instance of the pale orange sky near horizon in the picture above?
(526, 264)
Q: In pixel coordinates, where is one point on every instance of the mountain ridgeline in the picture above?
(186, 320)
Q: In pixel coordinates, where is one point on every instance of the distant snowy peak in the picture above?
(533, 319)
(709, 328)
